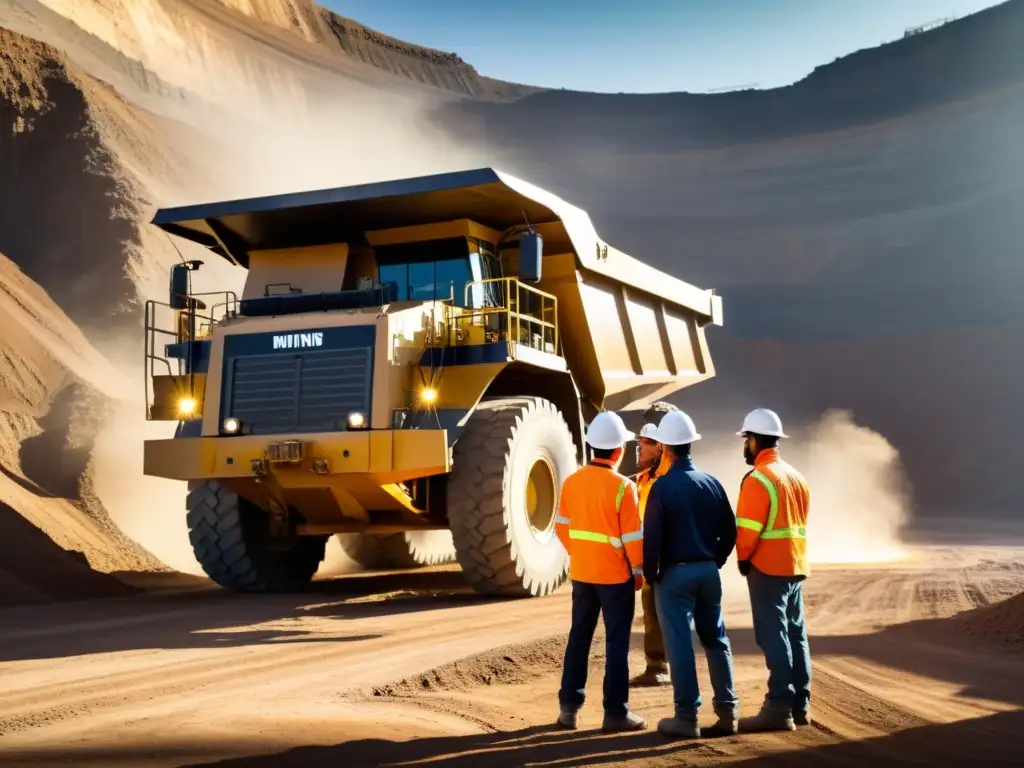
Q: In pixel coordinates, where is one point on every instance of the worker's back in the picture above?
(777, 486)
(599, 525)
(688, 518)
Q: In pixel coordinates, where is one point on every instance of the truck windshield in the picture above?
(427, 279)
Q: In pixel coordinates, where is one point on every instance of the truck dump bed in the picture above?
(632, 334)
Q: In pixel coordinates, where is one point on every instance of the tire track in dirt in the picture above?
(491, 668)
(848, 709)
(235, 670)
(851, 696)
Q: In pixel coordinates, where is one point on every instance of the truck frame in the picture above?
(411, 366)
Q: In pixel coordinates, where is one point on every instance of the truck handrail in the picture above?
(524, 307)
(190, 325)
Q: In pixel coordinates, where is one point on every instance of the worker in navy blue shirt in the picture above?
(689, 533)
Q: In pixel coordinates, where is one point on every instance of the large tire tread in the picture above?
(411, 549)
(228, 544)
(476, 509)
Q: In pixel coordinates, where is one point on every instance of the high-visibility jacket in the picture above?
(771, 517)
(646, 478)
(598, 523)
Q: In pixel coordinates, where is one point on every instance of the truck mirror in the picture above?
(179, 286)
(531, 251)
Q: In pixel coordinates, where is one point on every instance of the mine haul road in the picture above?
(411, 669)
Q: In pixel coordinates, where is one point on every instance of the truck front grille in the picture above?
(309, 391)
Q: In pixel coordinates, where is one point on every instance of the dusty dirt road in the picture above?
(410, 669)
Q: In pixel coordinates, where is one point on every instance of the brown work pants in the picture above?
(654, 642)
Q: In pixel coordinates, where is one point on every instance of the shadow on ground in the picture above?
(987, 742)
(931, 649)
(204, 618)
(539, 745)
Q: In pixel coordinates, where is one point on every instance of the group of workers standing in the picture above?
(667, 532)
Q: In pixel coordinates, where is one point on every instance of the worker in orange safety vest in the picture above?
(598, 523)
(652, 465)
(771, 550)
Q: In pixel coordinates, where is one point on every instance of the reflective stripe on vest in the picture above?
(604, 538)
(769, 531)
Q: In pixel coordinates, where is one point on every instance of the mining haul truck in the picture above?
(412, 366)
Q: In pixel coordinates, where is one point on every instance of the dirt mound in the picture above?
(1002, 622)
(67, 220)
(56, 540)
(502, 666)
(35, 570)
(66, 207)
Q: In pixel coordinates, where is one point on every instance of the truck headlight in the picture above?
(186, 406)
(232, 426)
(356, 420)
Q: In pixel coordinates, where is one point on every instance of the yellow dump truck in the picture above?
(412, 366)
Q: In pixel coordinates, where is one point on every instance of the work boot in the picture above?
(567, 719)
(627, 722)
(726, 725)
(801, 718)
(768, 719)
(655, 674)
(680, 727)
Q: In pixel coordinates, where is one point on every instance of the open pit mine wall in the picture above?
(443, 70)
(861, 225)
(281, 43)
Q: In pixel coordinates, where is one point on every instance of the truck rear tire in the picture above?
(230, 539)
(509, 465)
(411, 549)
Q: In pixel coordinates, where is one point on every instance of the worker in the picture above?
(598, 523)
(771, 550)
(689, 533)
(652, 465)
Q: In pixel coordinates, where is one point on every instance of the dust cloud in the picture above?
(859, 493)
(355, 137)
(860, 498)
(150, 510)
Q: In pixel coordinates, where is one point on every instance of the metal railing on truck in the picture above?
(521, 315)
(190, 325)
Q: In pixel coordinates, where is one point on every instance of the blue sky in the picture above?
(649, 45)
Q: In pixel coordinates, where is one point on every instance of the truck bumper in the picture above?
(378, 456)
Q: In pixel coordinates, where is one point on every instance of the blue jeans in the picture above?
(693, 591)
(777, 604)
(617, 603)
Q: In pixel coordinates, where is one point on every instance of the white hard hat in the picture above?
(649, 431)
(676, 428)
(607, 431)
(761, 421)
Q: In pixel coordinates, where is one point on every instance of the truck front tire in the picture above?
(230, 539)
(509, 464)
(411, 549)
